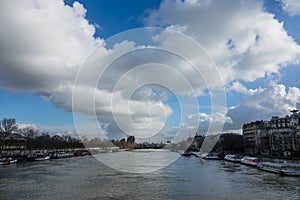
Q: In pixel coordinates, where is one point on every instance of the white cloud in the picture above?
(245, 42)
(214, 122)
(43, 44)
(276, 100)
(240, 88)
(292, 7)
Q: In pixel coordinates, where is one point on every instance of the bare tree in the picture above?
(28, 132)
(8, 126)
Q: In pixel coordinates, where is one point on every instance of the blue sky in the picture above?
(116, 16)
(43, 54)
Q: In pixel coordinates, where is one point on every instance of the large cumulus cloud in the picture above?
(245, 42)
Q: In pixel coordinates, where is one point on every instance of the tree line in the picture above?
(24, 139)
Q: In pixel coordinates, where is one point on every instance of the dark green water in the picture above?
(187, 178)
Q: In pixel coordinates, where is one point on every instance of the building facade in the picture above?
(279, 136)
(252, 133)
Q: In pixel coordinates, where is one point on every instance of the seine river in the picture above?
(187, 178)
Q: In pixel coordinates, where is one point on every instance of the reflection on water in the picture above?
(138, 161)
(187, 178)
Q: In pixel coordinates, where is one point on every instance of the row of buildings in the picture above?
(222, 142)
(280, 136)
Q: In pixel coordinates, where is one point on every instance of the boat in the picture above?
(186, 153)
(232, 158)
(209, 156)
(38, 157)
(12, 160)
(41, 158)
(58, 155)
(4, 161)
(291, 169)
(81, 153)
(7, 161)
(250, 161)
(288, 169)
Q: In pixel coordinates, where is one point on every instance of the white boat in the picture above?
(12, 160)
(251, 161)
(42, 158)
(7, 161)
(288, 169)
(37, 157)
(232, 158)
(211, 156)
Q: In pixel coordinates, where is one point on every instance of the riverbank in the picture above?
(25, 156)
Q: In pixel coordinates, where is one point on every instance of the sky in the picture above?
(96, 69)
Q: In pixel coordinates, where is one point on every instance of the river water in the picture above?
(186, 178)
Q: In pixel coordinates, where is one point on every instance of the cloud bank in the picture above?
(44, 43)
